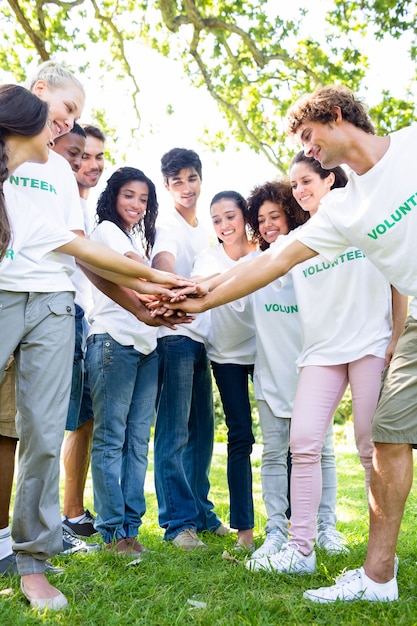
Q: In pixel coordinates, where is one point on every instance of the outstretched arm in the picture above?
(129, 300)
(244, 278)
(119, 269)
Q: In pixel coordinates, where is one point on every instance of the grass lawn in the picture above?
(170, 587)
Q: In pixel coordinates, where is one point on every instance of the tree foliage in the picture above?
(252, 60)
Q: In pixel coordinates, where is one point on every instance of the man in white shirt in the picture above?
(184, 429)
(377, 213)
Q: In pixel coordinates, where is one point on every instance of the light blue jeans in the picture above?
(123, 385)
(276, 438)
(184, 434)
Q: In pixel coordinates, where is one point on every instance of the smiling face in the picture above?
(37, 147)
(131, 203)
(65, 105)
(71, 146)
(272, 221)
(308, 187)
(327, 143)
(228, 222)
(92, 165)
(185, 188)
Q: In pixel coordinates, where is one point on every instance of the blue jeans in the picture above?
(184, 434)
(232, 382)
(123, 384)
(80, 409)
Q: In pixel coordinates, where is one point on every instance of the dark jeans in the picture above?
(232, 382)
(184, 433)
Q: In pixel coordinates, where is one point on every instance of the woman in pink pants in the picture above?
(351, 319)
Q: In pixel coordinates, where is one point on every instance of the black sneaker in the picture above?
(84, 527)
(72, 544)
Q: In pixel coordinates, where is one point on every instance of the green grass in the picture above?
(103, 590)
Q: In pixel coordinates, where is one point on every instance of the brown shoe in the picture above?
(119, 546)
(136, 548)
(126, 546)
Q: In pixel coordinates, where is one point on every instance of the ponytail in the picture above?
(5, 230)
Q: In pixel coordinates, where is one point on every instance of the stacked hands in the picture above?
(180, 303)
(169, 296)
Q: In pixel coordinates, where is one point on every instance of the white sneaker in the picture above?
(355, 585)
(272, 544)
(331, 541)
(289, 560)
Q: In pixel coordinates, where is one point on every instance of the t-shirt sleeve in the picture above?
(110, 235)
(32, 235)
(320, 235)
(166, 240)
(69, 197)
(206, 264)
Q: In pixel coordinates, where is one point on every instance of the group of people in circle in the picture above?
(302, 339)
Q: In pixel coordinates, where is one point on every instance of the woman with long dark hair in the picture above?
(122, 367)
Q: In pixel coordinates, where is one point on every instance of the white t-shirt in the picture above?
(231, 337)
(184, 242)
(83, 295)
(33, 238)
(278, 343)
(377, 213)
(345, 308)
(52, 188)
(108, 317)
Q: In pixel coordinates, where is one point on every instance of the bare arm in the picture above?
(118, 268)
(244, 278)
(129, 300)
(399, 313)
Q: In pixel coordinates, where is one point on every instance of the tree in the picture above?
(252, 61)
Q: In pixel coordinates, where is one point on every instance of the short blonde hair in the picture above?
(54, 74)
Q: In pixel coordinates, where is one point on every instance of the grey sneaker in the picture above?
(272, 544)
(72, 544)
(187, 540)
(331, 541)
(289, 560)
(354, 585)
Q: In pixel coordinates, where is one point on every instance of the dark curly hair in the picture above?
(280, 193)
(106, 205)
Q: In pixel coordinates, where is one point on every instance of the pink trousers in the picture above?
(319, 391)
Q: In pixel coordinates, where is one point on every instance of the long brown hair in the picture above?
(21, 113)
